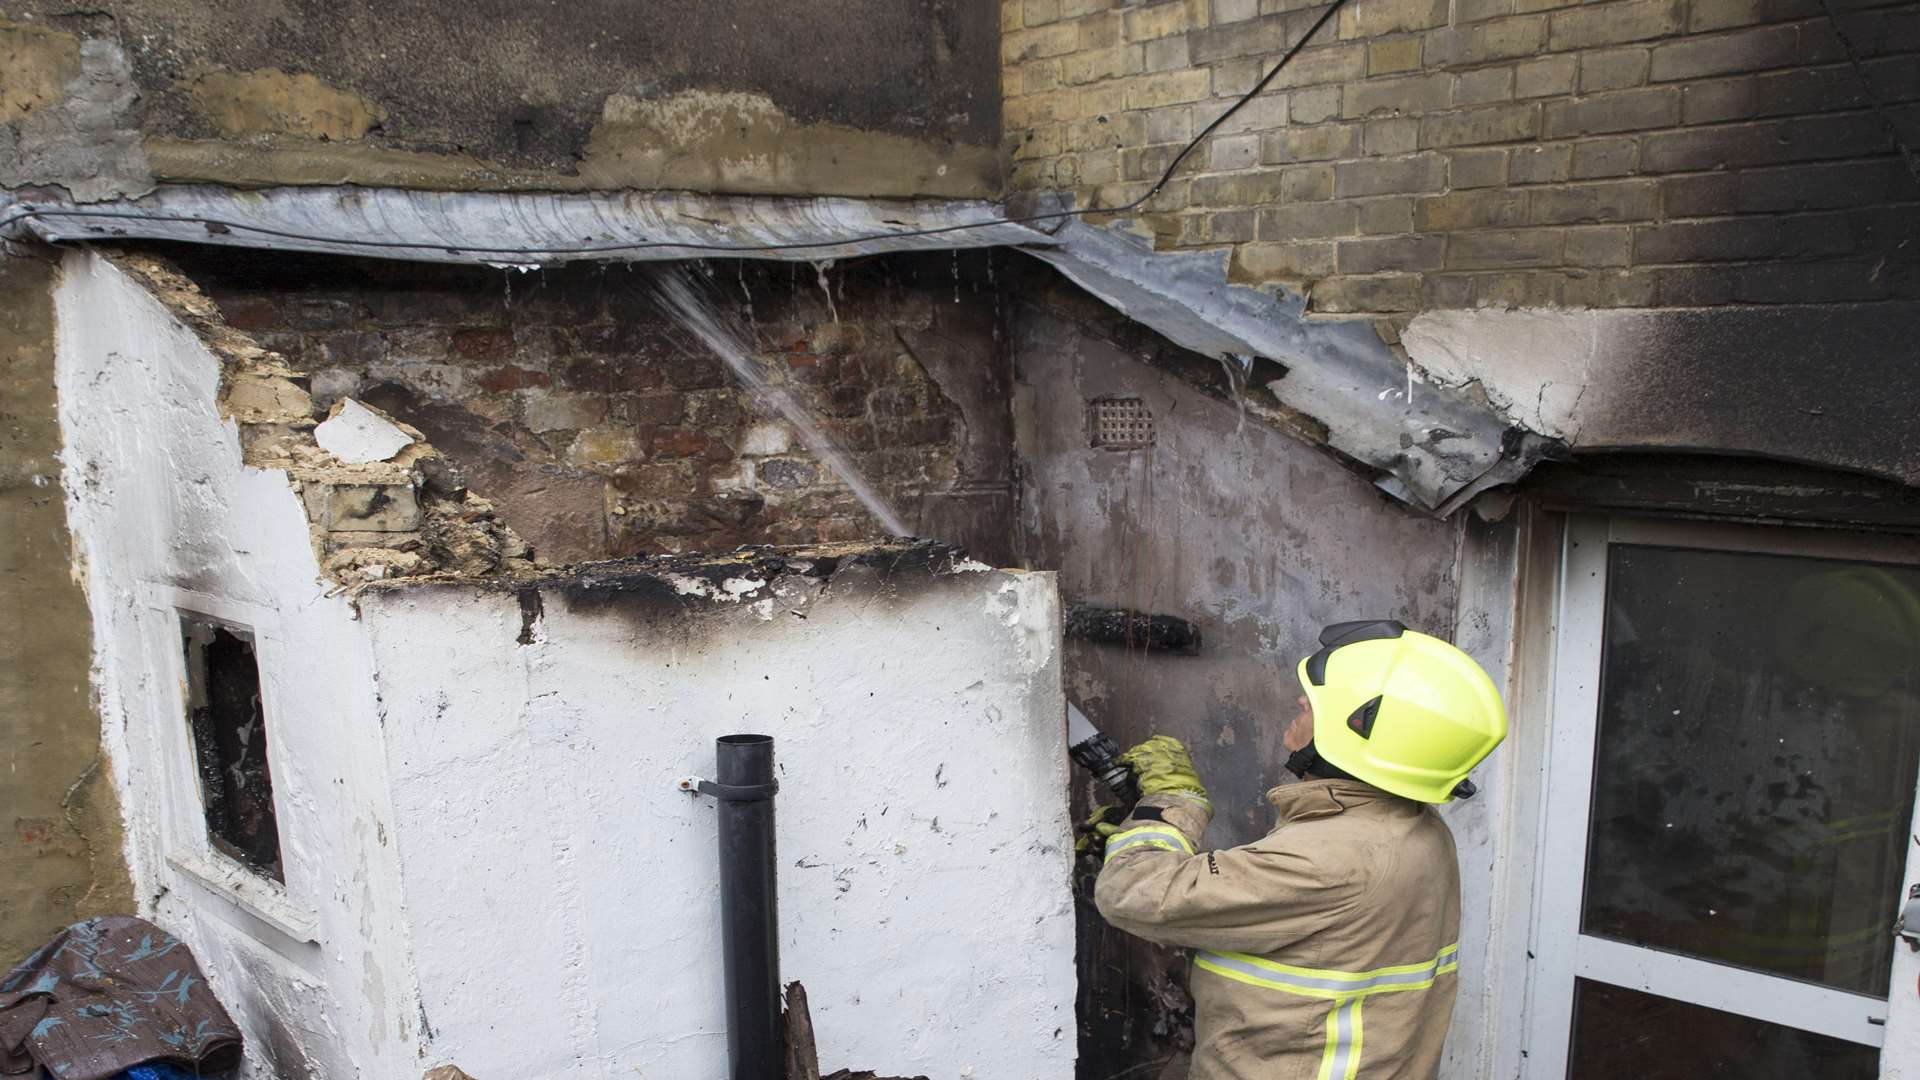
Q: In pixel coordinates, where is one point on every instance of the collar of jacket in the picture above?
(1321, 798)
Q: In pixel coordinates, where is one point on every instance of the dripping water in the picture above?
(1239, 372)
(820, 275)
(508, 269)
(682, 297)
(746, 294)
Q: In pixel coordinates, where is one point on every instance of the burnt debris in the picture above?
(1133, 629)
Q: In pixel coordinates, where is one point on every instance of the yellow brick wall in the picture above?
(1448, 153)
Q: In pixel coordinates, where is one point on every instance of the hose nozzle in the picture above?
(1096, 752)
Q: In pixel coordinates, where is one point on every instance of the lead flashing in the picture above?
(1432, 446)
(519, 228)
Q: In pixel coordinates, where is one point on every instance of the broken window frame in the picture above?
(263, 856)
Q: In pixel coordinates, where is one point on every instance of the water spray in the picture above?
(681, 294)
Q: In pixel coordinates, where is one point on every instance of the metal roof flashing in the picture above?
(1433, 446)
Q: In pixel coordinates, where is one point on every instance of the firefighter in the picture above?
(1326, 950)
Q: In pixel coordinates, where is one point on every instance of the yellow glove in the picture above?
(1103, 823)
(1164, 767)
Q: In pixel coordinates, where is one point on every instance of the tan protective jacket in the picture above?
(1325, 951)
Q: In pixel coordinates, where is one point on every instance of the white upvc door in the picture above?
(1729, 823)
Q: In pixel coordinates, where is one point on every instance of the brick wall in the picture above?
(1427, 153)
(601, 428)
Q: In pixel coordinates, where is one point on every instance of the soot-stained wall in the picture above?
(602, 427)
(476, 782)
(864, 97)
(923, 844)
(1822, 384)
(1258, 537)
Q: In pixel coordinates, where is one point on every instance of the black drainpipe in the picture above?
(749, 912)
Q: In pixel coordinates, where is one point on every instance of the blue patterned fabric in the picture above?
(108, 995)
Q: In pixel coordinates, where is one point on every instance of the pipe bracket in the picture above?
(730, 792)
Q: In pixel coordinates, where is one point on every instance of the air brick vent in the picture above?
(1120, 423)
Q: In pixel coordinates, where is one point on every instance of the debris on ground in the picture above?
(803, 1057)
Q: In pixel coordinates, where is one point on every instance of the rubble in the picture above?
(357, 434)
(363, 564)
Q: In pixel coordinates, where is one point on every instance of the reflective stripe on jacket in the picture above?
(1324, 951)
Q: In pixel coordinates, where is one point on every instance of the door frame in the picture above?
(1559, 953)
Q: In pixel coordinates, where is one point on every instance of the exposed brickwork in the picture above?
(1421, 153)
(601, 428)
(408, 515)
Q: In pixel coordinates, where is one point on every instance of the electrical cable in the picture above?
(718, 249)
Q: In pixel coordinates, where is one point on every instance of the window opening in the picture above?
(230, 742)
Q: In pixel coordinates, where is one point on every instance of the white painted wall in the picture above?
(165, 516)
(1505, 621)
(487, 862)
(561, 890)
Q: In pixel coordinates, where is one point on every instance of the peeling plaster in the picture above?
(701, 140)
(243, 104)
(728, 591)
(519, 87)
(68, 104)
(1533, 364)
(36, 64)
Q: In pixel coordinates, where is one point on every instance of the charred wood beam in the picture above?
(1135, 629)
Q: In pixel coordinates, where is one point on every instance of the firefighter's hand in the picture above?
(1104, 822)
(1164, 767)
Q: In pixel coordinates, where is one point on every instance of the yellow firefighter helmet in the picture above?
(1405, 712)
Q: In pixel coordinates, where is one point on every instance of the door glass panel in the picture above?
(1754, 771)
(1619, 1033)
